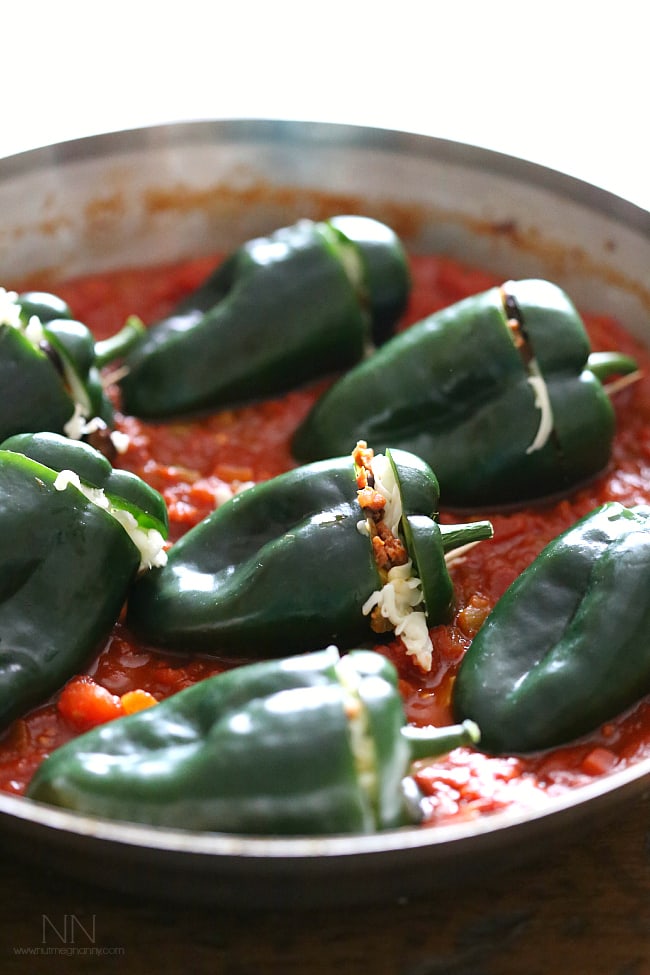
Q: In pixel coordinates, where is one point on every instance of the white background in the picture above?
(564, 84)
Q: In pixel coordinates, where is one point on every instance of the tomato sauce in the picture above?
(195, 465)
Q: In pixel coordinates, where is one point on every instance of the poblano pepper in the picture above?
(499, 393)
(313, 744)
(281, 310)
(73, 535)
(325, 553)
(50, 366)
(568, 645)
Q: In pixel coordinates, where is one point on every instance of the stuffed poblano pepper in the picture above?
(314, 744)
(332, 552)
(50, 367)
(281, 310)
(74, 533)
(499, 393)
(568, 645)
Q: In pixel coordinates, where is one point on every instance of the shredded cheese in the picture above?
(149, 542)
(397, 601)
(121, 441)
(75, 428)
(78, 426)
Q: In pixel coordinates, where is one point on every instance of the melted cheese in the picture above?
(543, 404)
(149, 542)
(387, 486)
(398, 600)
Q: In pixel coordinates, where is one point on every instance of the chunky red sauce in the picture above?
(192, 463)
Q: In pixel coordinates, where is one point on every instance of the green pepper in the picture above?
(73, 535)
(567, 647)
(50, 366)
(280, 311)
(314, 744)
(290, 563)
(498, 393)
(122, 489)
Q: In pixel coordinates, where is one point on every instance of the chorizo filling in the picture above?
(399, 605)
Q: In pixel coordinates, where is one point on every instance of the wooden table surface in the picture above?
(584, 909)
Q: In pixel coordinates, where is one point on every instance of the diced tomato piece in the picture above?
(84, 703)
(472, 616)
(137, 700)
(599, 761)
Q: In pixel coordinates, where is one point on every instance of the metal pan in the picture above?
(165, 192)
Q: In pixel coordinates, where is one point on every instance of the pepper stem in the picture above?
(429, 742)
(121, 343)
(606, 364)
(457, 536)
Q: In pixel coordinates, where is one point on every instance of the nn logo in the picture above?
(69, 930)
